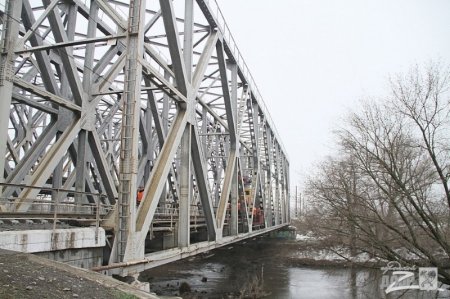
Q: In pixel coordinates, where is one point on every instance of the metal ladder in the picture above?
(126, 147)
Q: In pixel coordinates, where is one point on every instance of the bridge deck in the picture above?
(159, 258)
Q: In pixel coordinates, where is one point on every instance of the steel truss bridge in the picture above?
(101, 97)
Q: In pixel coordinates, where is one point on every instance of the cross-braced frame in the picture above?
(107, 96)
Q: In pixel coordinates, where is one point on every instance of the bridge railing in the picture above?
(168, 214)
(55, 205)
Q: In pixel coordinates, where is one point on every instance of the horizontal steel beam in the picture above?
(27, 51)
(167, 256)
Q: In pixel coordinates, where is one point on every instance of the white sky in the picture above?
(314, 59)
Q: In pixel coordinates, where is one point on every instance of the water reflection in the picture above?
(335, 283)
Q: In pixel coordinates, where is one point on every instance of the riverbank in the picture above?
(28, 276)
(306, 252)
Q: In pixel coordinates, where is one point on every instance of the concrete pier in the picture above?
(81, 247)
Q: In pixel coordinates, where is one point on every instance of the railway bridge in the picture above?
(133, 134)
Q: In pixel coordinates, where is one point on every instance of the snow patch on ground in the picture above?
(334, 254)
(300, 237)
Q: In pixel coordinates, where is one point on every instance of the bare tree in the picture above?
(386, 191)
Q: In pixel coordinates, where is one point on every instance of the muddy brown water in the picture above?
(227, 271)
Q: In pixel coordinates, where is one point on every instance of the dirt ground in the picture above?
(28, 276)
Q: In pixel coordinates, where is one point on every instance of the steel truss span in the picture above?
(102, 97)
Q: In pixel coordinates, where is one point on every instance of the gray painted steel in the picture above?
(105, 96)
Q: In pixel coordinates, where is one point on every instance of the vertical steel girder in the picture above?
(107, 96)
(10, 31)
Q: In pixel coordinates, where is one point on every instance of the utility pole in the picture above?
(296, 203)
(302, 204)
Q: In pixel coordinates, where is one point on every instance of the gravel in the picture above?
(28, 276)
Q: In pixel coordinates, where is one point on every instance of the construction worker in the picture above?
(140, 194)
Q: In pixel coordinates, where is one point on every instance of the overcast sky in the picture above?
(314, 59)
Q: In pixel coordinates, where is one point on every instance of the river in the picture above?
(263, 263)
